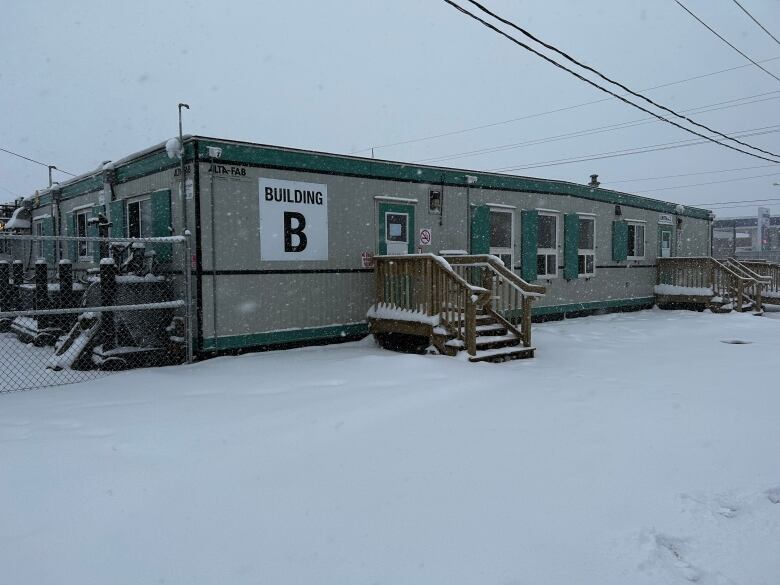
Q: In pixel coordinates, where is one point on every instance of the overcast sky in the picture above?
(87, 81)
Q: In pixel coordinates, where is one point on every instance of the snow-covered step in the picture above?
(488, 329)
(503, 354)
(485, 341)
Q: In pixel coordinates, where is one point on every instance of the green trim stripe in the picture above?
(281, 337)
(612, 304)
(354, 329)
(262, 155)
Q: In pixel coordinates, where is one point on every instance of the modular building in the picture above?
(284, 240)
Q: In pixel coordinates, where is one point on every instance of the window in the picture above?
(547, 246)
(81, 232)
(38, 231)
(395, 227)
(139, 219)
(501, 236)
(586, 247)
(636, 240)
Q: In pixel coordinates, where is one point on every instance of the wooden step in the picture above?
(503, 354)
(487, 341)
(494, 328)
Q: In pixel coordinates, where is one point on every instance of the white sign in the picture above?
(425, 236)
(293, 220)
(188, 185)
(665, 219)
(762, 235)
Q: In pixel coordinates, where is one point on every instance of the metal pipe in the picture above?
(183, 177)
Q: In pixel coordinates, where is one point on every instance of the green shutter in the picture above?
(529, 225)
(92, 231)
(619, 240)
(73, 246)
(480, 229)
(162, 223)
(571, 241)
(118, 223)
(48, 245)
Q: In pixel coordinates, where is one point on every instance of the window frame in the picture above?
(139, 201)
(387, 225)
(37, 230)
(587, 251)
(87, 248)
(503, 250)
(633, 224)
(548, 251)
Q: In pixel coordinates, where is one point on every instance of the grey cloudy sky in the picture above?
(86, 81)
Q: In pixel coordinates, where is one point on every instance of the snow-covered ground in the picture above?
(635, 449)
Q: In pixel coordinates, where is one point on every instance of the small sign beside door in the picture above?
(425, 236)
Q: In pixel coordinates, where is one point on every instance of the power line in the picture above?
(628, 151)
(739, 201)
(599, 87)
(753, 18)
(37, 162)
(766, 201)
(684, 175)
(713, 31)
(548, 112)
(597, 130)
(711, 183)
(610, 80)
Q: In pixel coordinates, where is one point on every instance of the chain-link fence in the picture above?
(74, 309)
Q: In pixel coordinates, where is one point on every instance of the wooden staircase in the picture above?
(719, 285)
(470, 304)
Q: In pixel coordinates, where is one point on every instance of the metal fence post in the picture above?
(5, 285)
(188, 291)
(107, 298)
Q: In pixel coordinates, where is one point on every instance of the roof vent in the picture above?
(594, 181)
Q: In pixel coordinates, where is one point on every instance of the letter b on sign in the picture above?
(297, 230)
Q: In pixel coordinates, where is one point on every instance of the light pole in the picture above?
(183, 178)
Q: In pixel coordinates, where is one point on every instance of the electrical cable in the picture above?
(548, 112)
(711, 183)
(36, 161)
(684, 175)
(713, 31)
(626, 152)
(597, 130)
(608, 79)
(753, 18)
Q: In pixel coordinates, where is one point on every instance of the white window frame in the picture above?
(633, 223)
(87, 256)
(37, 230)
(389, 242)
(130, 202)
(587, 251)
(549, 251)
(498, 251)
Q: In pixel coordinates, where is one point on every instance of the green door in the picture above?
(665, 241)
(395, 228)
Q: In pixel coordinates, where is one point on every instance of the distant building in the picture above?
(740, 236)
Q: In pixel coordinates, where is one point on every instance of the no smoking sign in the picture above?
(425, 236)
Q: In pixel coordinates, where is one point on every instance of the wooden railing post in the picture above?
(740, 293)
(471, 327)
(526, 331)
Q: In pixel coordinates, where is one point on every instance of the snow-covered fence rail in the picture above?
(769, 270)
(75, 308)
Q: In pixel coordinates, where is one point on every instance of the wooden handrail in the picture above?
(511, 296)
(426, 284)
(498, 267)
(705, 271)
